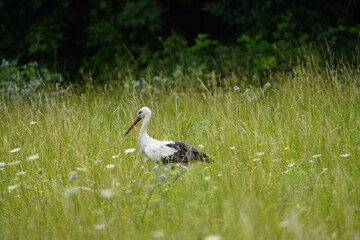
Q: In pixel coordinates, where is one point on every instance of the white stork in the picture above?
(164, 151)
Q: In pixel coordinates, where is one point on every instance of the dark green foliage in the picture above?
(102, 38)
(22, 79)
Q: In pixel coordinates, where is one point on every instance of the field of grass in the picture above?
(286, 161)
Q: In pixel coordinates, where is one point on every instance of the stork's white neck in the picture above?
(144, 138)
(143, 130)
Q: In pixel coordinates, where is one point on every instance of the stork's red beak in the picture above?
(137, 119)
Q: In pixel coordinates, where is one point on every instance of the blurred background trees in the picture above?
(102, 38)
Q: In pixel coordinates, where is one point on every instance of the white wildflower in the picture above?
(255, 159)
(14, 163)
(33, 123)
(99, 226)
(159, 79)
(236, 88)
(267, 85)
(130, 150)
(286, 171)
(33, 157)
(291, 165)
(12, 187)
(247, 91)
(115, 156)
(316, 155)
(15, 150)
(207, 178)
(201, 146)
(136, 83)
(213, 237)
(110, 166)
(106, 193)
(325, 169)
(253, 98)
(162, 178)
(260, 153)
(345, 155)
(2, 164)
(186, 169)
(20, 173)
(232, 148)
(158, 234)
(155, 168)
(311, 161)
(219, 175)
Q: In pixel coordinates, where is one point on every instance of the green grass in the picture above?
(271, 186)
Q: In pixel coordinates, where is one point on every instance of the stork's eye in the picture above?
(140, 112)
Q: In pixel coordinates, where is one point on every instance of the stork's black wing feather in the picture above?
(185, 153)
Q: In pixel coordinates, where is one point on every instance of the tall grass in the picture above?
(286, 161)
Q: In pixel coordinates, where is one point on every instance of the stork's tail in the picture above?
(206, 158)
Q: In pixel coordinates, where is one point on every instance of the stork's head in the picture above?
(143, 112)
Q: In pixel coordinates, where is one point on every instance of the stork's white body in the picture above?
(165, 151)
(150, 148)
(156, 150)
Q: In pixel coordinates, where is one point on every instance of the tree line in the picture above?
(101, 38)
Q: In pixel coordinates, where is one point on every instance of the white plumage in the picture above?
(165, 151)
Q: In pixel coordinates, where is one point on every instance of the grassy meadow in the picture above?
(286, 160)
